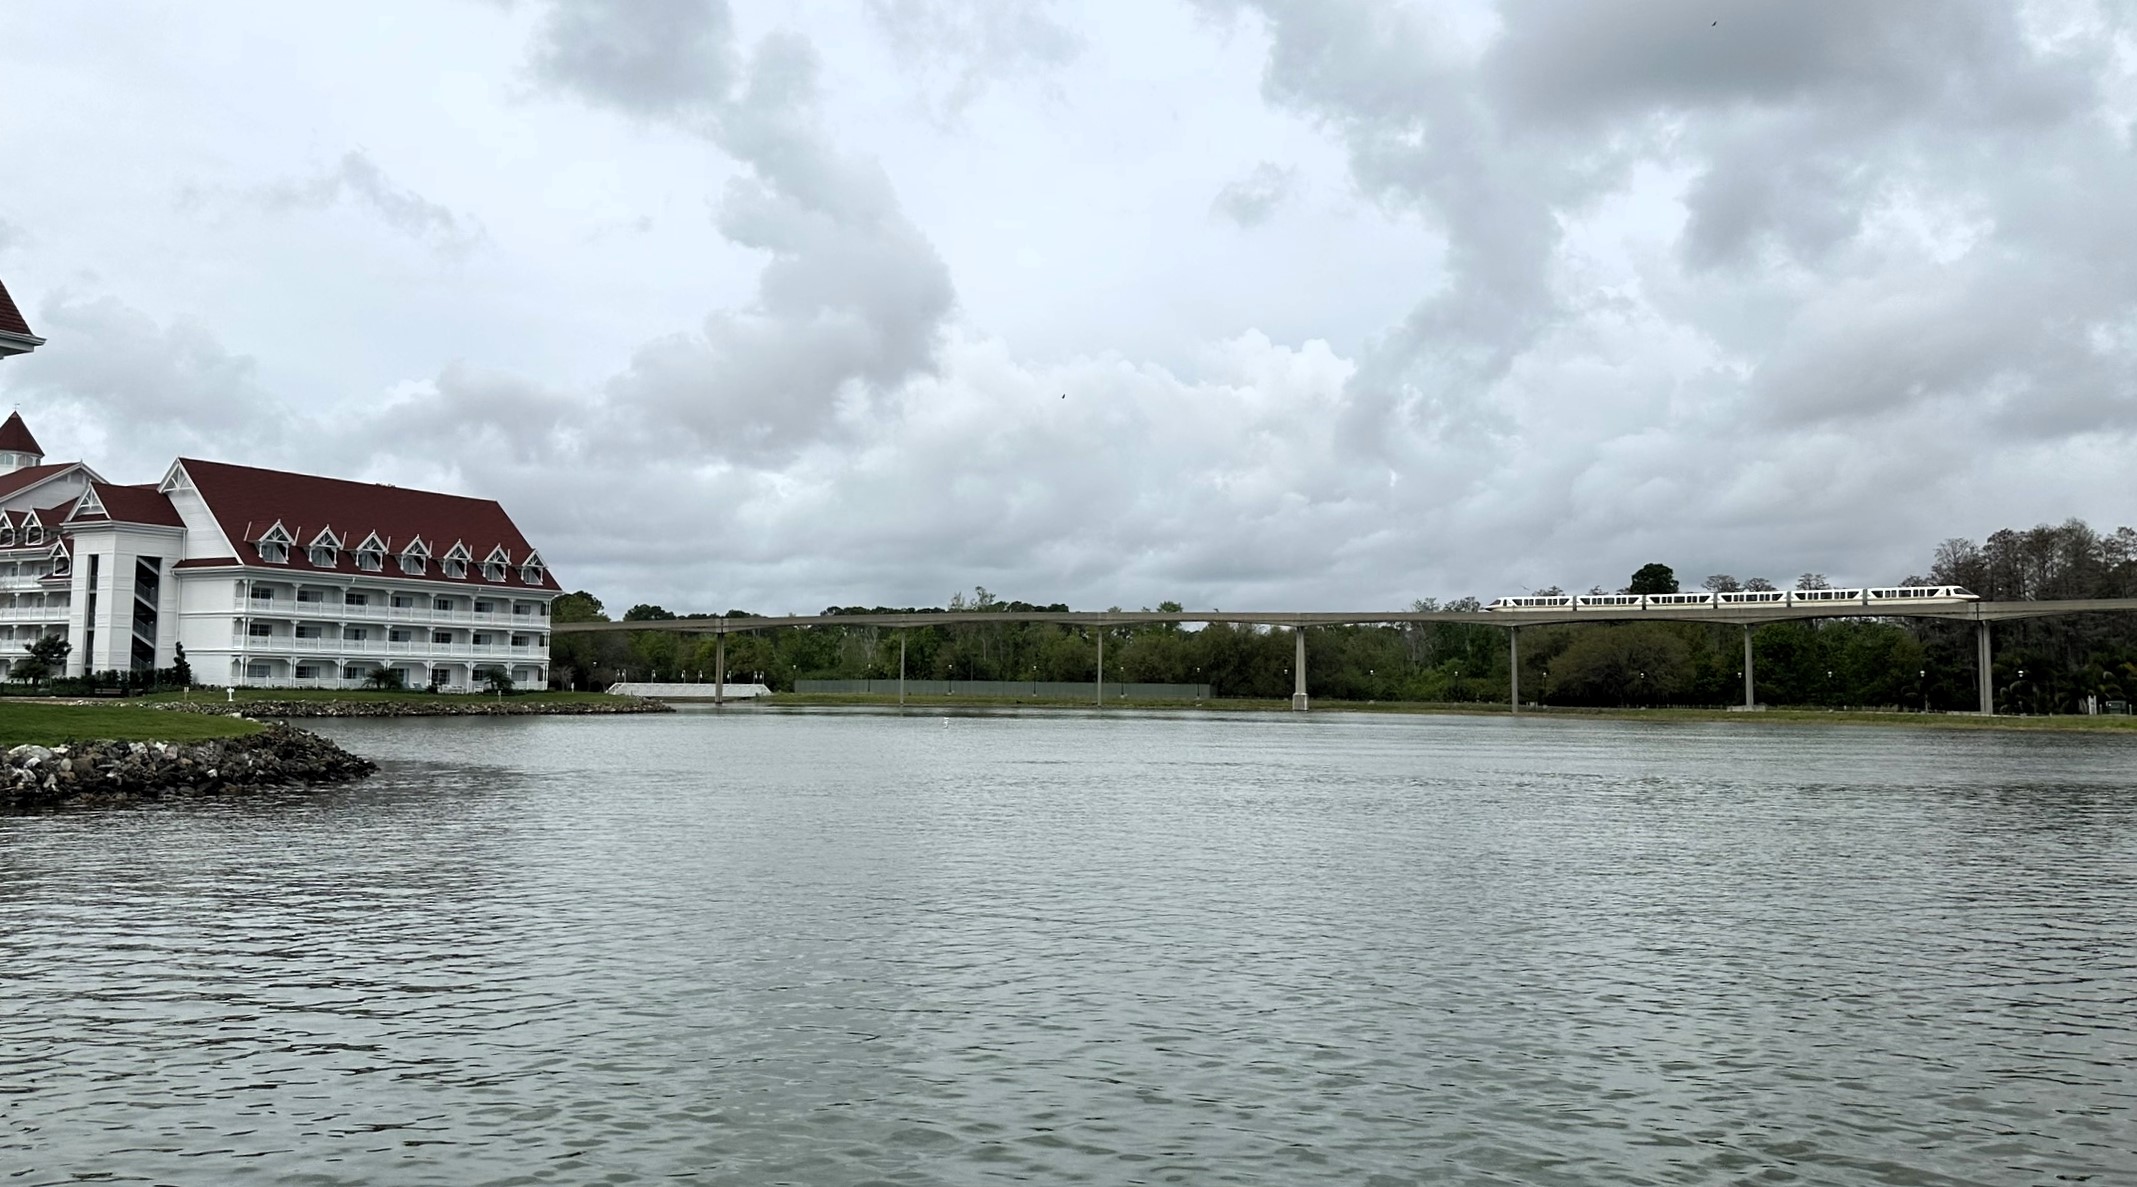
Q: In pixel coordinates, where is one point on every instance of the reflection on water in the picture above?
(758, 947)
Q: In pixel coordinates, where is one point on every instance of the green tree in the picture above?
(180, 669)
(47, 658)
(577, 606)
(496, 680)
(1653, 578)
(1638, 663)
(386, 679)
(579, 659)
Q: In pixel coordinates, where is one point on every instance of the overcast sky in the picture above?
(1326, 304)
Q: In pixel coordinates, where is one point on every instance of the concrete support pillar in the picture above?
(1513, 669)
(1298, 669)
(901, 669)
(1984, 673)
(1101, 665)
(719, 668)
(1750, 701)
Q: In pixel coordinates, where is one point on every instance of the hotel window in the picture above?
(325, 558)
(309, 672)
(531, 574)
(33, 536)
(493, 571)
(412, 563)
(522, 608)
(356, 598)
(307, 630)
(353, 634)
(482, 640)
(455, 568)
(7, 537)
(441, 603)
(370, 560)
(259, 630)
(261, 593)
(482, 607)
(404, 601)
(353, 672)
(274, 552)
(311, 595)
(259, 671)
(441, 636)
(397, 635)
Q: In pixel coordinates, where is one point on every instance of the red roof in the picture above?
(130, 504)
(30, 476)
(10, 317)
(15, 435)
(249, 502)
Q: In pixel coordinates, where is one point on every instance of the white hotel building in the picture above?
(268, 578)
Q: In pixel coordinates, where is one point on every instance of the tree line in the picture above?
(2046, 665)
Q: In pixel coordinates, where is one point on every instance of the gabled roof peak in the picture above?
(15, 436)
(15, 336)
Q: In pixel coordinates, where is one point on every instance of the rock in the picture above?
(280, 755)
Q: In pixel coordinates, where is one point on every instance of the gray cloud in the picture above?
(964, 47)
(1808, 289)
(656, 59)
(853, 297)
(131, 392)
(1250, 200)
(357, 178)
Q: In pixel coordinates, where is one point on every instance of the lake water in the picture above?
(848, 947)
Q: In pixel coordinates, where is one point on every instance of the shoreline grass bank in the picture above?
(55, 723)
(297, 703)
(1762, 716)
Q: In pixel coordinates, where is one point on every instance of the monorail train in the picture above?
(1891, 595)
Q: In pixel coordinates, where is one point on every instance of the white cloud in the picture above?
(1533, 298)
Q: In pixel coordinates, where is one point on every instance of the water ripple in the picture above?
(868, 949)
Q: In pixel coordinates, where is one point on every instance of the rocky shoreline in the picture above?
(472, 706)
(37, 777)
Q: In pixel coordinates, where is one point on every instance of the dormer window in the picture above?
(273, 545)
(326, 549)
(454, 567)
(7, 537)
(371, 554)
(33, 535)
(493, 570)
(531, 573)
(412, 563)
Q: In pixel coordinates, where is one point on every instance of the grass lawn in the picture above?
(47, 724)
(1959, 721)
(417, 695)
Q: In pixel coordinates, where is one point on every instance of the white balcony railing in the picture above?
(292, 608)
(293, 644)
(56, 613)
